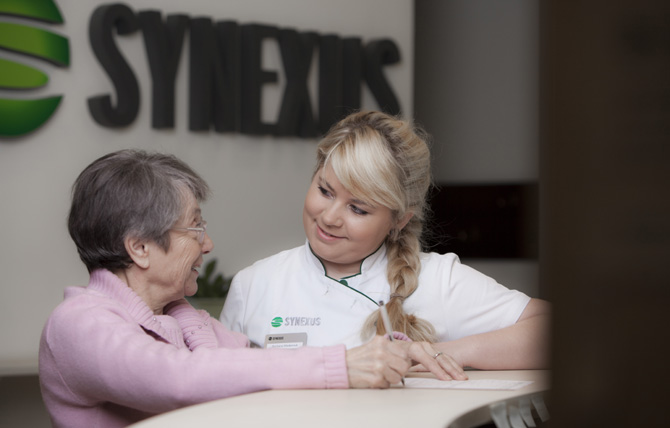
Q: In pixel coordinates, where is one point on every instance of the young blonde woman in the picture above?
(363, 216)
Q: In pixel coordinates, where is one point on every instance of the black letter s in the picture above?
(101, 26)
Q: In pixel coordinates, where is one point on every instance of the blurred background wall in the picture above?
(476, 92)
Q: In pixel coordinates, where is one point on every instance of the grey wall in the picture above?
(476, 74)
(476, 79)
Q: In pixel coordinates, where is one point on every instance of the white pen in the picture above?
(387, 327)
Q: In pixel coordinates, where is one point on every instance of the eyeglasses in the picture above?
(201, 230)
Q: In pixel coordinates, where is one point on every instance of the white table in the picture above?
(393, 407)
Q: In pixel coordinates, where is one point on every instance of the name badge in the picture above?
(286, 340)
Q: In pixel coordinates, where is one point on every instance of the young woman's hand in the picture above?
(377, 364)
(442, 365)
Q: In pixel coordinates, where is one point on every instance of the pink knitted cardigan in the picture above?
(106, 360)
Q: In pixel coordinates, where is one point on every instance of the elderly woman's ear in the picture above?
(138, 250)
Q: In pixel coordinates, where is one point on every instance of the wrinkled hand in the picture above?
(377, 364)
(444, 367)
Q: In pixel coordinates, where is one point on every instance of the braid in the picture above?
(402, 272)
(386, 160)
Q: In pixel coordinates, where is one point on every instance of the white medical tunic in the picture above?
(289, 292)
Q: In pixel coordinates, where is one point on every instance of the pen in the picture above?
(387, 327)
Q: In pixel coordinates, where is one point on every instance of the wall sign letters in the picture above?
(226, 77)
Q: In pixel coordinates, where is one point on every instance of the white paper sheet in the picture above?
(491, 384)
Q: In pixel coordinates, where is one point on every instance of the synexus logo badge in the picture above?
(22, 113)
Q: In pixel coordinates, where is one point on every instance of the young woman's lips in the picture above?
(325, 235)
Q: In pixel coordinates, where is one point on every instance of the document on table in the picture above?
(490, 384)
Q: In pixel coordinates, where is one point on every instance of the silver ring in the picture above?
(438, 354)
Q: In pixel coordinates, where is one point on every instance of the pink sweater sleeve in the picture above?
(110, 358)
(201, 330)
(195, 326)
(397, 335)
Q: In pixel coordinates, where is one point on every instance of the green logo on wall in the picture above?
(277, 321)
(20, 116)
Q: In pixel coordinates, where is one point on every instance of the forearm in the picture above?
(521, 346)
(524, 345)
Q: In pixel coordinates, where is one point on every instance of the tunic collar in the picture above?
(368, 264)
(370, 281)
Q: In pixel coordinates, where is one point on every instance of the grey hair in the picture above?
(128, 193)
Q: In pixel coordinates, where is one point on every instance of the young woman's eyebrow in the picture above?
(324, 183)
(359, 202)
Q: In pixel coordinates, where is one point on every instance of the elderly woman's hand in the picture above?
(377, 364)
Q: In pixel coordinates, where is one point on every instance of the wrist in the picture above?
(454, 351)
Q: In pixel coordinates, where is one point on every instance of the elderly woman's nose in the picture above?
(207, 244)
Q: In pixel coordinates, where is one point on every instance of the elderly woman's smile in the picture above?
(167, 270)
(175, 271)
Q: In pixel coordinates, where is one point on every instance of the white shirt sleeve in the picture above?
(460, 301)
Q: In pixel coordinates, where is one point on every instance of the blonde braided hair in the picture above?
(386, 160)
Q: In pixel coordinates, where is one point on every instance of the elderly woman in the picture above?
(129, 345)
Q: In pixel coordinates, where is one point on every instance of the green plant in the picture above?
(211, 284)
